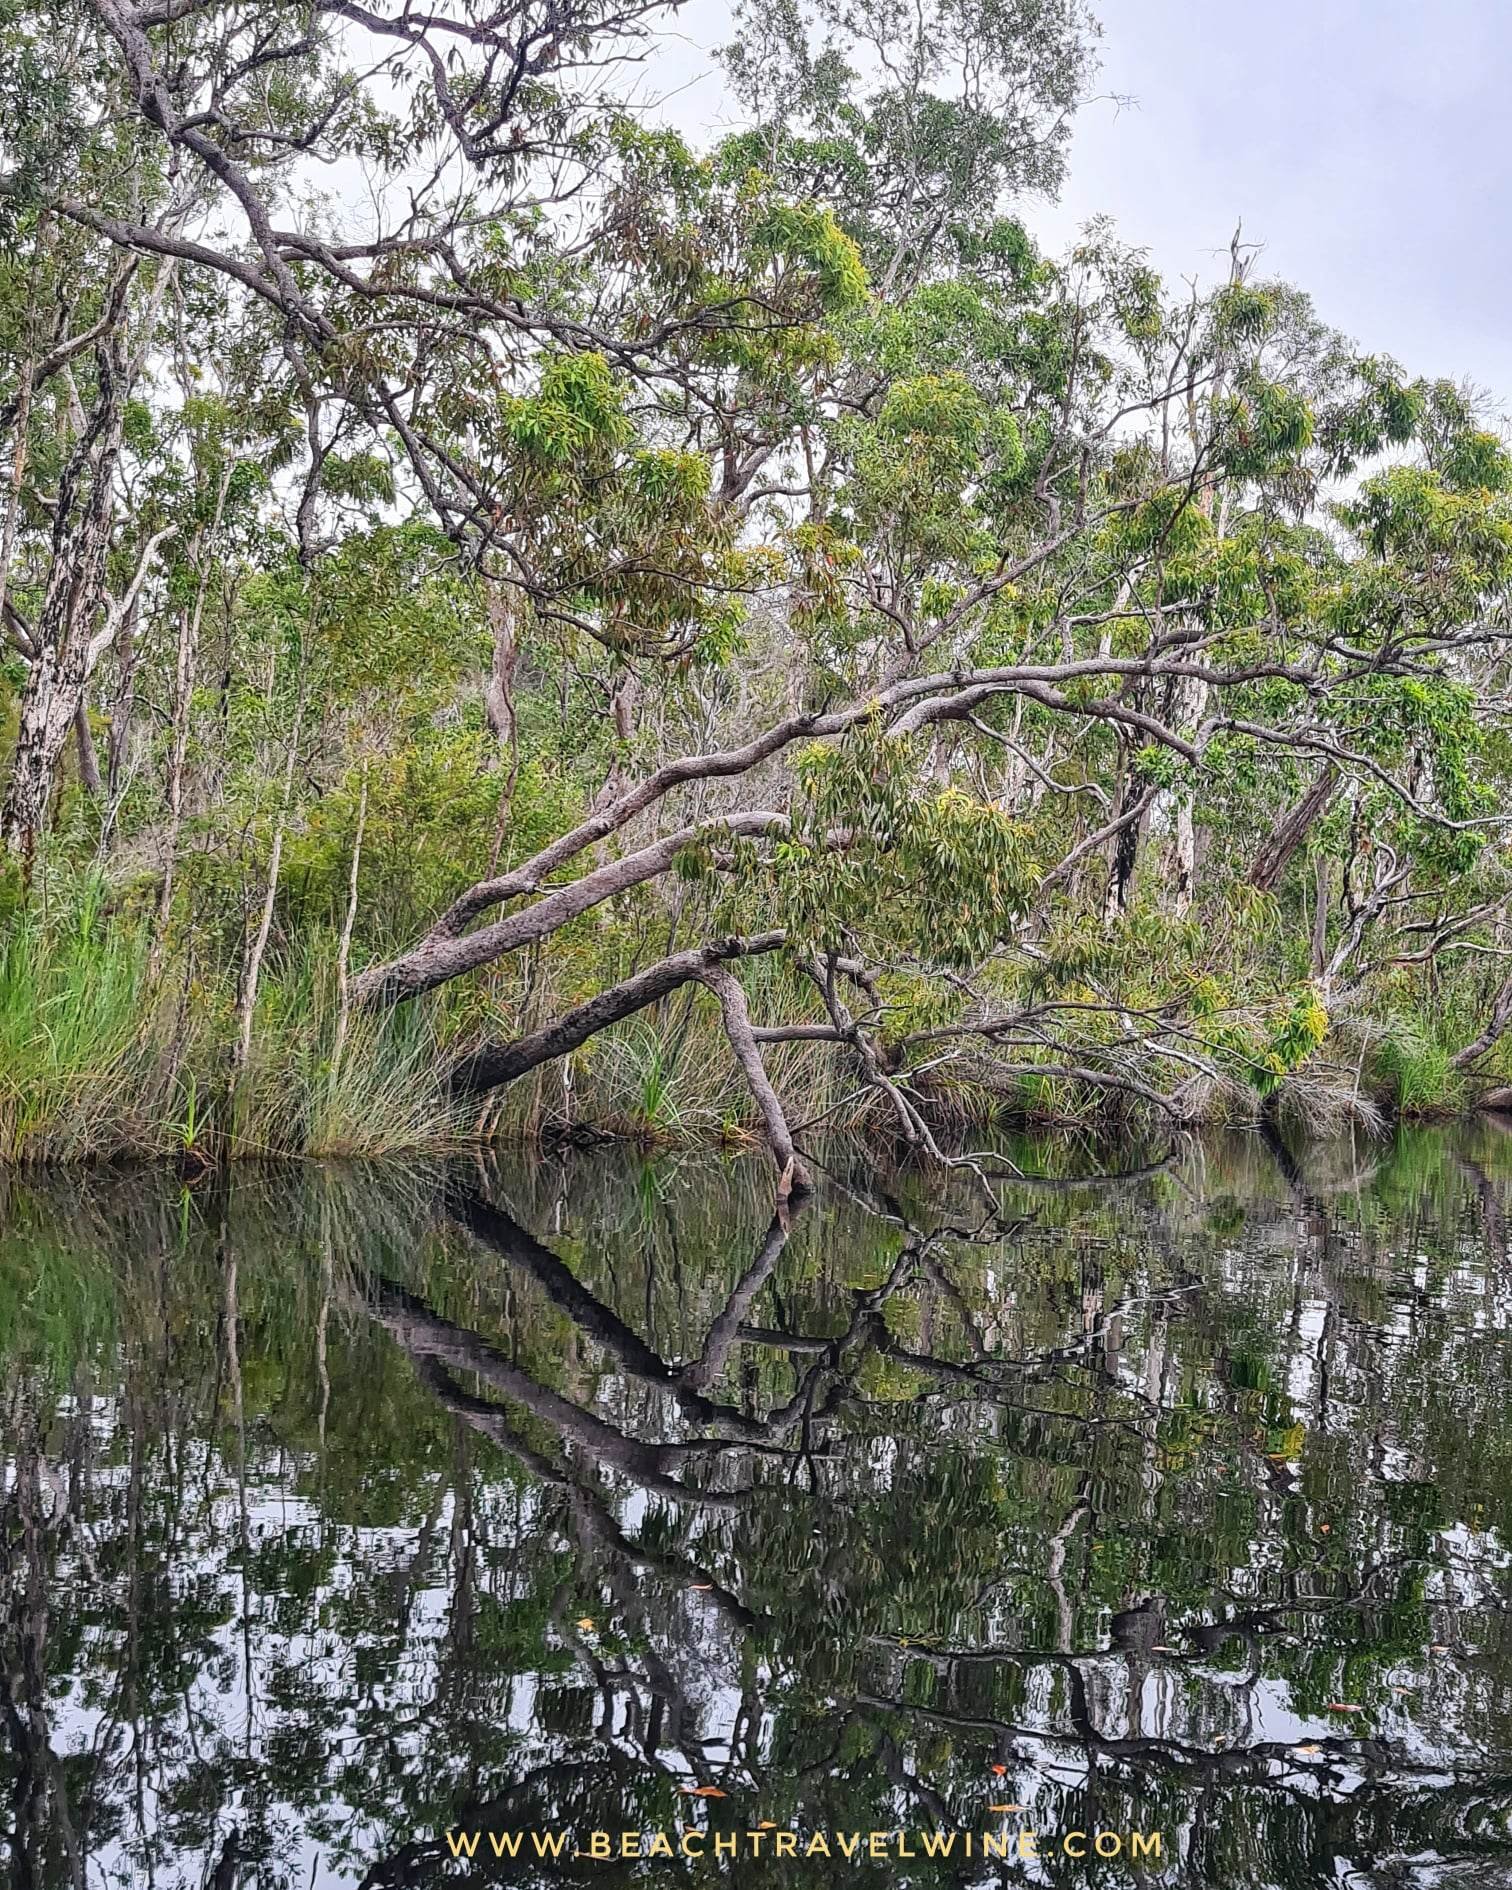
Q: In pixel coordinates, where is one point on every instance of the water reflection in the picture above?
(342, 1511)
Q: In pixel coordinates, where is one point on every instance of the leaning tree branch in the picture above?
(448, 949)
(441, 955)
(493, 1064)
(793, 1177)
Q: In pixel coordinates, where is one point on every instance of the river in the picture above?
(347, 1515)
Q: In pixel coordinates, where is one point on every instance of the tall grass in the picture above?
(384, 1095)
(86, 1063)
(1415, 1067)
(99, 1062)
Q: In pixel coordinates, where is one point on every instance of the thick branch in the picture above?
(442, 955)
(1293, 828)
(1501, 1016)
(448, 949)
(497, 1063)
(737, 1022)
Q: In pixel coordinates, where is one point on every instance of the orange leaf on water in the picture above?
(1338, 1706)
(703, 1791)
(1005, 1807)
(1000, 1771)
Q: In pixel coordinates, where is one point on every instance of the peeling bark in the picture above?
(1293, 828)
(65, 641)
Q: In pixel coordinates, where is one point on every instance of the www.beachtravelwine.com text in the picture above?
(694, 1841)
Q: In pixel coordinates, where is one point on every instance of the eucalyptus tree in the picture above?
(1057, 560)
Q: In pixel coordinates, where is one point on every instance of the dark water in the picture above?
(340, 1509)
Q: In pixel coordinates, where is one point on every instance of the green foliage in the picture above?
(1266, 426)
(1299, 1032)
(888, 877)
(1415, 1065)
(1110, 674)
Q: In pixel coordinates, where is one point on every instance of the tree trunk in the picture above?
(17, 474)
(1321, 878)
(1293, 828)
(183, 690)
(792, 1176)
(494, 1064)
(89, 765)
(499, 705)
(1185, 857)
(123, 708)
(66, 648)
(1121, 876)
(348, 926)
(49, 709)
(246, 997)
(1188, 706)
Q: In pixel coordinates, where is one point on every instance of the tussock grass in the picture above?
(86, 1050)
(1416, 1068)
(98, 1062)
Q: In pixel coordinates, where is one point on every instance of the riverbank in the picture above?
(105, 1057)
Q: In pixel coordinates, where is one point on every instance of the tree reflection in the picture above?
(338, 1514)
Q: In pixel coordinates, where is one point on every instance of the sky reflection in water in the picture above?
(342, 1507)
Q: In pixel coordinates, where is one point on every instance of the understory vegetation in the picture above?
(521, 622)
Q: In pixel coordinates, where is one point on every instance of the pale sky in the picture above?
(1365, 143)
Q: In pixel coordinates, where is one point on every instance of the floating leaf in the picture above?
(703, 1791)
(1339, 1706)
(586, 1624)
